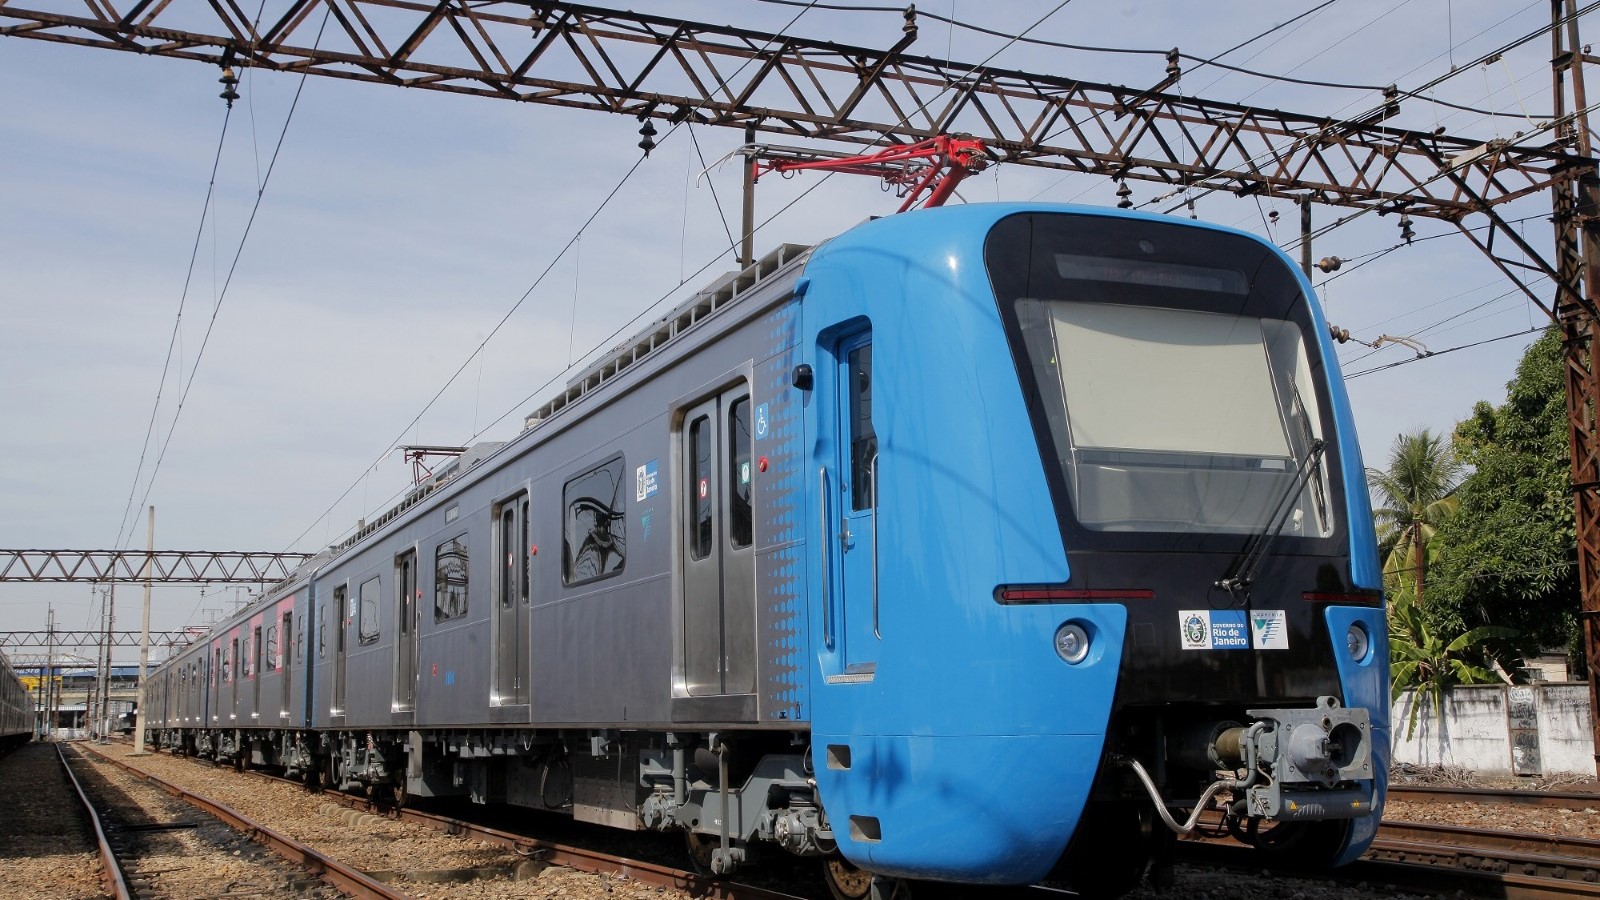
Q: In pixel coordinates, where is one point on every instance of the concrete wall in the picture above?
(1537, 729)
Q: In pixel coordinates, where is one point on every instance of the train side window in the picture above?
(450, 579)
(245, 671)
(300, 639)
(739, 476)
(863, 439)
(594, 543)
(272, 648)
(322, 621)
(701, 443)
(227, 664)
(367, 623)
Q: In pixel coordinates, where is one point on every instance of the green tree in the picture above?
(1424, 658)
(1413, 496)
(1509, 557)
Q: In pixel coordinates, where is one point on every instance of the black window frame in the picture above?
(363, 637)
(617, 518)
(441, 583)
(1016, 271)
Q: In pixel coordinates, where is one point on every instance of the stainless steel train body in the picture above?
(18, 717)
(954, 548)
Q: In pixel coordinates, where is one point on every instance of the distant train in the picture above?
(17, 711)
(968, 545)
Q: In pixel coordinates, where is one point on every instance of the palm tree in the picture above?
(1413, 495)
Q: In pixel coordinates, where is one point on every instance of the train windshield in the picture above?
(1171, 376)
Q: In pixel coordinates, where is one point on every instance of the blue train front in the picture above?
(1090, 526)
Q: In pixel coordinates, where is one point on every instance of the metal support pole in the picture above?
(105, 699)
(1305, 235)
(747, 248)
(1577, 253)
(144, 642)
(50, 674)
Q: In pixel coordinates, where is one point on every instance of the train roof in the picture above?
(723, 291)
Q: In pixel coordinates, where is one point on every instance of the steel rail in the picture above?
(573, 857)
(110, 870)
(325, 867)
(1436, 794)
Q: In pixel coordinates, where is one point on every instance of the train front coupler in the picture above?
(1285, 765)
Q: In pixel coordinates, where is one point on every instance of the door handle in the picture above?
(873, 474)
(823, 550)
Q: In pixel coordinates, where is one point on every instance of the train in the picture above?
(982, 544)
(18, 718)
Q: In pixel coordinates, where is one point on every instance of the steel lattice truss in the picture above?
(166, 566)
(79, 639)
(650, 66)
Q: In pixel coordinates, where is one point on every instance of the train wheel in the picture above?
(398, 795)
(1305, 845)
(700, 847)
(845, 881)
(238, 762)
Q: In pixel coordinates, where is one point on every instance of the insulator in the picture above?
(911, 19)
(648, 137)
(1173, 71)
(1406, 234)
(1123, 193)
(228, 81)
(1342, 335)
(1330, 263)
(1272, 217)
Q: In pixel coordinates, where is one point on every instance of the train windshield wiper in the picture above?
(1244, 572)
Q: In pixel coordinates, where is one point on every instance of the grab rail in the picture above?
(823, 548)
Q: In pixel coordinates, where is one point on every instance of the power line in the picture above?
(1431, 355)
(228, 281)
(172, 341)
(577, 235)
(539, 390)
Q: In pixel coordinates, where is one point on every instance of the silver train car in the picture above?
(18, 713)
(924, 551)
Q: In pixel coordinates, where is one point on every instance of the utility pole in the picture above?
(50, 673)
(747, 251)
(105, 696)
(144, 642)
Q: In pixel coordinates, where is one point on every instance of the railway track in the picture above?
(1556, 799)
(528, 848)
(158, 840)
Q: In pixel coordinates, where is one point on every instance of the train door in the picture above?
(405, 634)
(854, 508)
(513, 614)
(255, 668)
(286, 656)
(718, 557)
(230, 673)
(214, 682)
(341, 610)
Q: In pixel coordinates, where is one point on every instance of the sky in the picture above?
(399, 228)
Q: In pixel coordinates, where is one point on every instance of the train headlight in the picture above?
(1357, 642)
(1072, 643)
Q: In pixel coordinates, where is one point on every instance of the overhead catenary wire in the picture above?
(1437, 353)
(1379, 111)
(228, 281)
(172, 341)
(577, 235)
(552, 381)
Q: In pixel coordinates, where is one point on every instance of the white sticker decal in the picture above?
(1269, 629)
(1194, 628)
(1213, 629)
